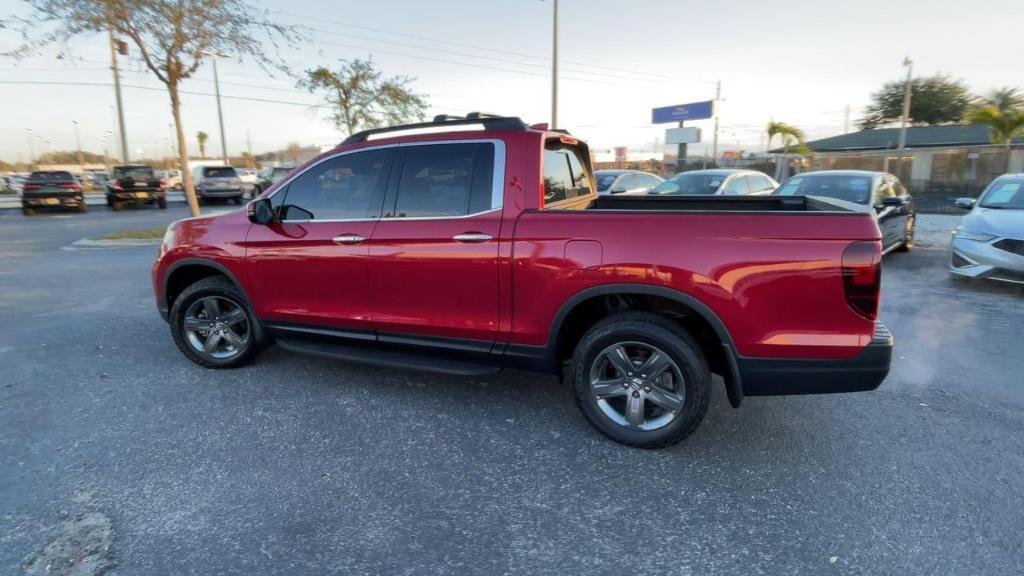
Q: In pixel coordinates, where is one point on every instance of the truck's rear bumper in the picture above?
(777, 377)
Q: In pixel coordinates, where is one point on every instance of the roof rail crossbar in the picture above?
(447, 118)
(488, 121)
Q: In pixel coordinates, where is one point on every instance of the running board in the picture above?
(388, 358)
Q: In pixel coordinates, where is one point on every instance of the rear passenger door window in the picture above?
(446, 180)
(735, 186)
(565, 177)
(346, 187)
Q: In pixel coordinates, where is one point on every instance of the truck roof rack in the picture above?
(488, 121)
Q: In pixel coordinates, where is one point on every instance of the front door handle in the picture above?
(348, 239)
(472, 237)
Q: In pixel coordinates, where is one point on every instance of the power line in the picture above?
(496, 50)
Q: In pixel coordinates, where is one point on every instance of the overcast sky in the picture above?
(798, 61)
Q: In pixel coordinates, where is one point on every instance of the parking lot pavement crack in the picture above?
(81, 546)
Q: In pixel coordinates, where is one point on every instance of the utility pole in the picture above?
(846, 120)
(907, 93)
(714, 145)
(554, 69)
(117, 82)
(31, 148)
(78, 149)
(220, 113)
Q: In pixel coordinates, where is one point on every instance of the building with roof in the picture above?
(939, 162)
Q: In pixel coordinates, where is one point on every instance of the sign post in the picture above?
(681, 113)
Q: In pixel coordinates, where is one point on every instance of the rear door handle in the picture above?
(472, 237)
(348, 239)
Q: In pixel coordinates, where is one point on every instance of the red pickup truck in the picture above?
(481, 243)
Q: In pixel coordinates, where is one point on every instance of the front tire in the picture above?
(162, 203)
(26, 211)
(214, 326)
(641, 380)
(117, 205)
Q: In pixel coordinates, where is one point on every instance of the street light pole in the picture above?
(907, 93)
(554, 68)
(31, 147)
(78, 149)
(714, 145)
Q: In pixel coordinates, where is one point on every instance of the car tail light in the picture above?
(163, 183)
(72, 186)
(116, 185)
(30, 187)
(862, 277)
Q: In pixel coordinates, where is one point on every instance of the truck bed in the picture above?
(722, 203)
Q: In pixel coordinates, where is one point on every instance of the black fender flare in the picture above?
(733, 383)
(204, 263)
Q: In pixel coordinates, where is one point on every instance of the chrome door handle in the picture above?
(472, 237)
(348, 239)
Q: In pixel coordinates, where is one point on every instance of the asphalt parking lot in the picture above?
(114, 447)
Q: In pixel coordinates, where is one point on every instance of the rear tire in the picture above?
(26, 211)
(190, 306)
(82, 208)
(162, 203)
(684, 384)
(116, 205)
(237, 199)
(908, 236)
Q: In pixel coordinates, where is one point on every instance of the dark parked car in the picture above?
(718, 182)
(52, 189)
(135, 184)
(269, 177)
(881, 192)
(625, 181)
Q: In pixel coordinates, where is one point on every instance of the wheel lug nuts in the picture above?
(636, 394)
(625, 385)
(647, 388)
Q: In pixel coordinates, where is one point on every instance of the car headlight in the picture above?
(169, 238)
(961, 232)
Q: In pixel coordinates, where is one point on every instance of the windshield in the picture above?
(135, 172)
(604, 181)
(220, 172)
(842, 187)
(688, 183)
(1004, 193)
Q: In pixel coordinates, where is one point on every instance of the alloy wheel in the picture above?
(217, 327)
(637, 385)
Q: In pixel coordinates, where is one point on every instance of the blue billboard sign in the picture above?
(681, 112)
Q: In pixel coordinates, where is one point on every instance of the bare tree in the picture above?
(173, 38)
(361, 99)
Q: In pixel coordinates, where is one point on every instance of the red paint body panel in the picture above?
(773, 279)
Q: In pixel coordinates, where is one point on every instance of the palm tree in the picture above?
(1004, 125)
(202, 137)
(1005, 99)
(790, 135)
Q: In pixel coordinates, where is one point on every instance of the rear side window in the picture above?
(440, 180)
(736, 186)
(346, 187)
(759, 183)
(220, 172)
(564, 175)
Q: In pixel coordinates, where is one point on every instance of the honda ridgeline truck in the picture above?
(483, 244)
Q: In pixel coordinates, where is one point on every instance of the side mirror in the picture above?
(964, 203)
(260, 211)
(892, 201)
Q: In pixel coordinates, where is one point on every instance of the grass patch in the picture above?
(144, 234)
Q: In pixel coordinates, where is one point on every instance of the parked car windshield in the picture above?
(56, 175)
(851, 188)
(1004, 193)
(136, 172)
(604, 181)
(705, 184)
(220, 172)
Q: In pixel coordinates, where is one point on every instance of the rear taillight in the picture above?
(862, 277)
(72, 186)
(116, 185)
(30, 187)
(163, 183)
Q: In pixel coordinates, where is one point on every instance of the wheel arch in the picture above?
(188, 271)
(578, 305)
